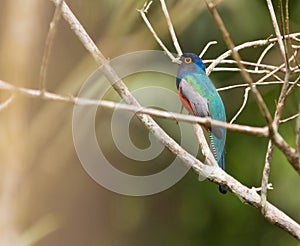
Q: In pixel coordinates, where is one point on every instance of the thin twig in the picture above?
(277, 32)
(7, 102)
(295, 116)
(171, 28)
(270, 74)
(230, 87)
(147, 6)
(284, 52)
(143, 12)
(263, 54)
(255, 43)
(235, 69)
(289, 152)
(206, 48)
(273, 74)
(246, 94)
(48, 46)
(283, 49)
(287, 19)
(265, 176)
(284, 26)
(296, 39)
(282, 98)
(293, 85)
(266, 68)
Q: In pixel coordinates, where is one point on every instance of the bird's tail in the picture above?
(222, 189)
(221, 161)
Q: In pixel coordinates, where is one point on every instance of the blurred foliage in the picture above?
(45, 188)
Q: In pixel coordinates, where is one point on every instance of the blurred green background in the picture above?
(47, 198)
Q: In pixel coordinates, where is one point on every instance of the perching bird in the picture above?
(199, 96)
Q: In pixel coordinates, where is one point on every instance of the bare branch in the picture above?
(285, 90)
(171, 28)
(48, 45)
(257, 131)
(265, 177)
(293, 85)
(289, 152)
(235, 69)
(255, 43)
(283, 49)
(267, 67)
(7, 102)
(295, 116)
(206, 48)
(236, 56)
(263, 54)
(277, 32)
(230, 87)
(246, 94)
(147, 6)
(143, 12)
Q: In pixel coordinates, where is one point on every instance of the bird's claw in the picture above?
(258, 189)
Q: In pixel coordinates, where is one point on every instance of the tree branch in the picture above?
(7, 102)
(48, 45)
(255, 43)
(257, 131)
(171, 28)
(143, 12)
(277, 32)
(265, 176)
(212, 8)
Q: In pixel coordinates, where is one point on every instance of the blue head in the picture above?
(190, 63)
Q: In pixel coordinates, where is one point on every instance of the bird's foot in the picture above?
(258, 189)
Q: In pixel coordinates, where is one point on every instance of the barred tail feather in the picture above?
(221, 161)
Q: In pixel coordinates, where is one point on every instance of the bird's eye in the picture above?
(188, 60)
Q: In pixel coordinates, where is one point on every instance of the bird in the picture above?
(200, 97)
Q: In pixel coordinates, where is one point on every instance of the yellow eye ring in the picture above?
(188, 60)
